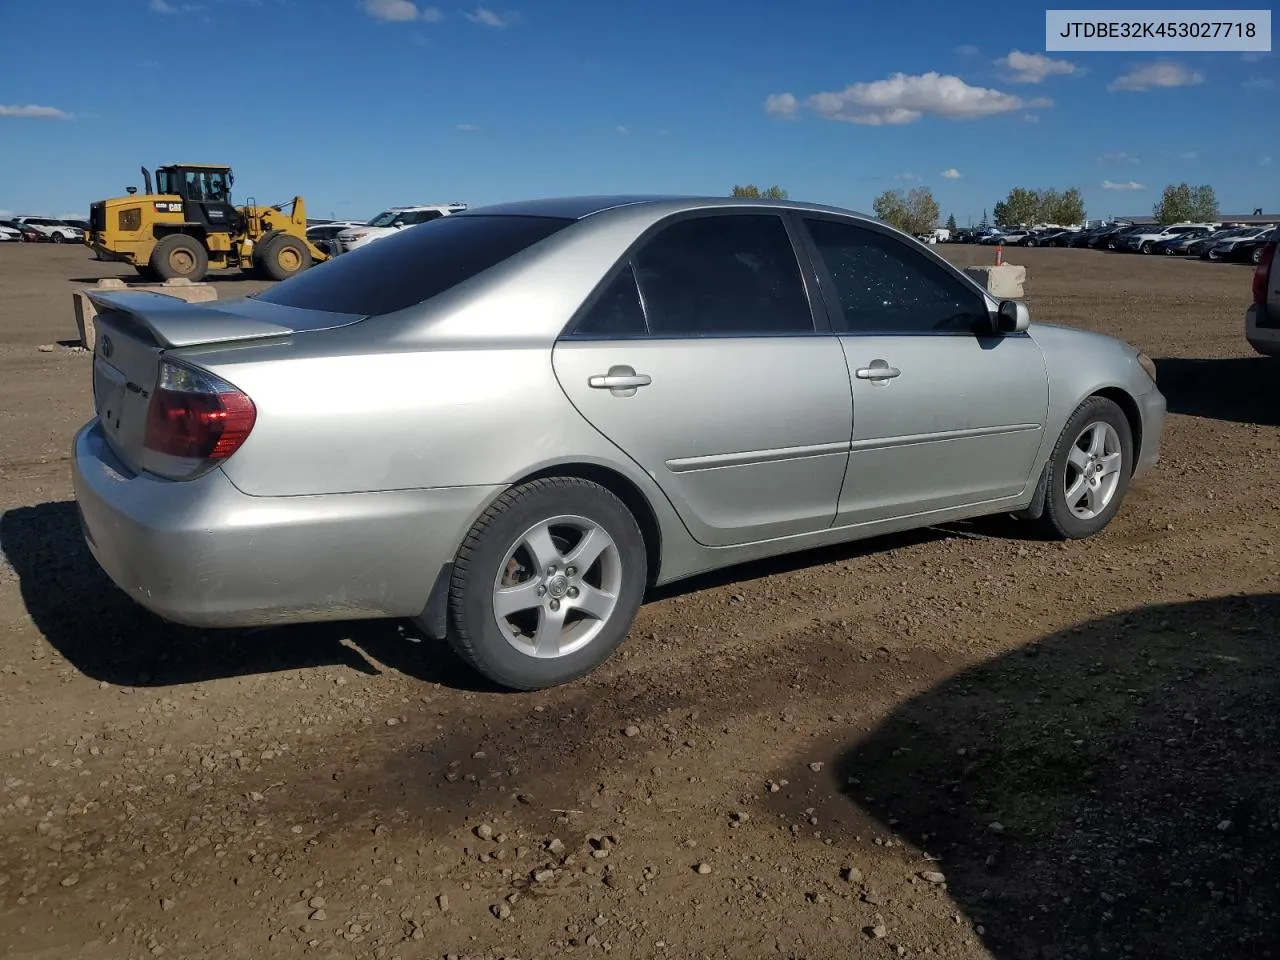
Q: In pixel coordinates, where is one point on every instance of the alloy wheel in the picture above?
(557, 586)
(1093, 470)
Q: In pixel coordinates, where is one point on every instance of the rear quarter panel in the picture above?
(400, 419)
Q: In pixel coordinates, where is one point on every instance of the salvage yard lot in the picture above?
(1080, 738)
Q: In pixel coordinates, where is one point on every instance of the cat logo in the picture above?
(165, 206)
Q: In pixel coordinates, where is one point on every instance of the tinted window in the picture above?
(413, 265)
(885, 286)
(421, 216)
(723, 275)
(618, 312)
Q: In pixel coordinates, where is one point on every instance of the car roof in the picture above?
(578, 208)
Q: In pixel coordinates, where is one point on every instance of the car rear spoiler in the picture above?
(172, 322)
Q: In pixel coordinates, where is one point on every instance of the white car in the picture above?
(322, 234)
(10, 235)
(1142, 241)
(55, 230)
(389, 221)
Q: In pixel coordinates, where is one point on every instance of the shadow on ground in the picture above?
(107, 636)
(1112, 790)
(1237, 389)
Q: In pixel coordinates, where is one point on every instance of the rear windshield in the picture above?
(412, 266)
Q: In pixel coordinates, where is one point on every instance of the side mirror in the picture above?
(1013, 317)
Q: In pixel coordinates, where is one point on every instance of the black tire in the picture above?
(1058, 520)
(284, 256)
(58, 238)
(474, 632)
(146, 273)
(1256, 256)
(180, 255)
(1146, 246)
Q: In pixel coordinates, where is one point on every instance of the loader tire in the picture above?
(180, 256)
(285, 255)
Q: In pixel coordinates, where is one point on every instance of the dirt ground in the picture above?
(961, 743)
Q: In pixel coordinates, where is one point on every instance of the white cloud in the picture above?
(401, 11)
(1033, 67)
(490, 18)
(1129, 185)
(1187, 155)
(782, 105)
(466, 127)
(621, 129)
(1030, 118)
(1259, 83)
(951, 174)
(966, 50)
(1118, 157)
(163, 6)
(905, 98)
(31, 111)
(1157, 75)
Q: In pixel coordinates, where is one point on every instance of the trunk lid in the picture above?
(135, 329)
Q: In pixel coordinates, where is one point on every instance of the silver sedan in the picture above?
(507, 424)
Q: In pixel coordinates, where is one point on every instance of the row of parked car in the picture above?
(342, 236)
(1208, 241)
(42, 230)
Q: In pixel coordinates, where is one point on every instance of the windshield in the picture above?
(383, 219)
(199, 186)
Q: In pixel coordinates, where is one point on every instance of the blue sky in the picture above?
(360, 104)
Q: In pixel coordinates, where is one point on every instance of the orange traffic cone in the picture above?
(999, 255)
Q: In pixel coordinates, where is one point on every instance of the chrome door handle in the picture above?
(615, 381)
(879, 370)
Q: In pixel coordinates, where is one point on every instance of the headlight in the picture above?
(348, 237)
(1148, 366)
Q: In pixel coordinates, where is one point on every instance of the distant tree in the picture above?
(915, 212)
(1024, 207)
(984, 222)
(1070, 209)
(951, 222)
(752, 192)
(891, 207)
(1021, 208)
(1184, 202)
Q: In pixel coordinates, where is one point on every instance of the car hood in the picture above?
(1056, 336)
(352, 231)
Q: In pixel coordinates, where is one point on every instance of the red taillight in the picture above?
(197, 416)
(1262, 275)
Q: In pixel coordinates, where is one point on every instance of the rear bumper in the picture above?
(1154, 409)
(204, 554)
(1264, 340)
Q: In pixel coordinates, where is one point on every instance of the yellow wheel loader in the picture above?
(187, 224)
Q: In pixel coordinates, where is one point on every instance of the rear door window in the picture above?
(723, 275)
(412, 266)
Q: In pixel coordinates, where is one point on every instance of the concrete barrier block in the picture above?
(1004, 282)
(181, 289)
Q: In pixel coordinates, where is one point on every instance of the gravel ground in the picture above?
(959, 743)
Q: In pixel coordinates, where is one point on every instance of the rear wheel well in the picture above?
(624, 490)
(1130, 408)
